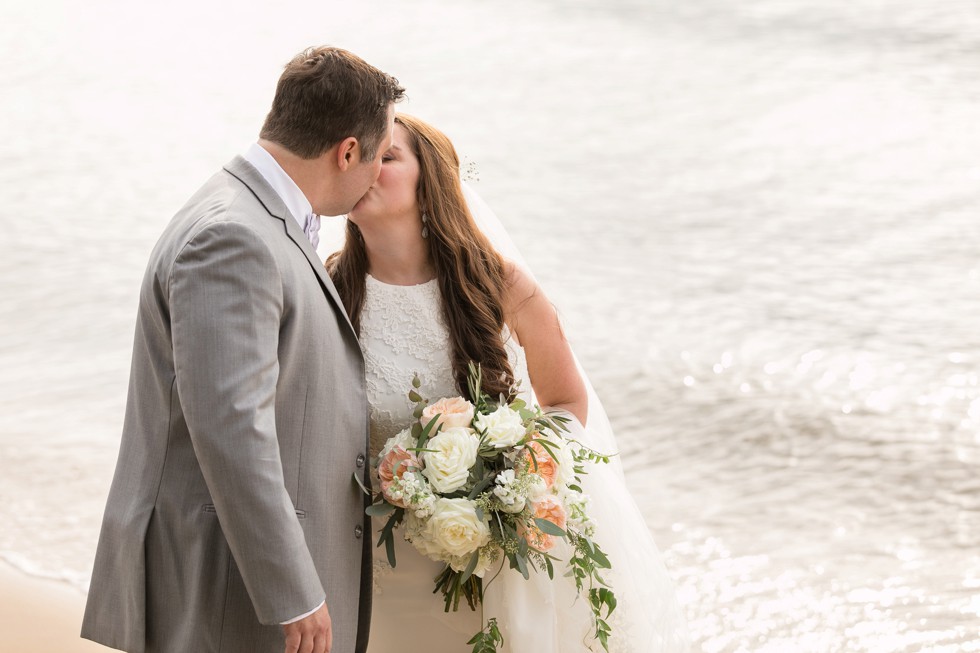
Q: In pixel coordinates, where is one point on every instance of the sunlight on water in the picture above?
(758, 219)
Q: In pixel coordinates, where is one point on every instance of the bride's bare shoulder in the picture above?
(524, 298)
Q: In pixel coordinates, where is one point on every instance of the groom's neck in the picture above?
(310, 175)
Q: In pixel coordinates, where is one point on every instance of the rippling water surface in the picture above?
(758, 218)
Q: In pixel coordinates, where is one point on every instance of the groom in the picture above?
(233, 523)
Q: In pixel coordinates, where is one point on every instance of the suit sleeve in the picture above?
(226, 305)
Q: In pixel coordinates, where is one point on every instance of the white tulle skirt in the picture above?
(541, 614)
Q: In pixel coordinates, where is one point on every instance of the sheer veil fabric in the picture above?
(647, 618)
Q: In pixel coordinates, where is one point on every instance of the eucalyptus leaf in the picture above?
(360, 483)
(549, 527)
(470, 567)
(481, 486)
(380, 509)
(390, 550)
(522, 566)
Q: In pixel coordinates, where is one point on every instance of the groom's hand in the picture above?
(310, 635)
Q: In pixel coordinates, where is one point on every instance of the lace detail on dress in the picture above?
(404, 333)
(381, 569)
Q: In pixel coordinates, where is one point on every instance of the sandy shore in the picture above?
(40, 616)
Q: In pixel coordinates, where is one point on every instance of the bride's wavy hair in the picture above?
(472, 275)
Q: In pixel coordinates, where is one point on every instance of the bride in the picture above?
(429, 290)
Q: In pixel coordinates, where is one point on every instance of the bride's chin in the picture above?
(357, 209)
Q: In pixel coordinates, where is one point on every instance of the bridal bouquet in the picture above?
(478, 482)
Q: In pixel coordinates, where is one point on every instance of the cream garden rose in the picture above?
(454, 412)
(504, 427)
(417, 532)
(402, 439)
(455, 528)
(451, 454)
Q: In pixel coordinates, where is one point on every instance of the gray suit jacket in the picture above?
(233, 506)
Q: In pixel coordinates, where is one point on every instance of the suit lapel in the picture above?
(248, 175)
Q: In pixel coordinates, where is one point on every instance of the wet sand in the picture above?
(41, 616)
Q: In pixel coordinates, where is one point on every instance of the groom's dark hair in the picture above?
(325, 95)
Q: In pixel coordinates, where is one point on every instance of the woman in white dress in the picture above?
(428, 292)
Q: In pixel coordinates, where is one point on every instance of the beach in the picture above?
(40, 615)
(758, 221)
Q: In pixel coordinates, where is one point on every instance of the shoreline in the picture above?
(40, 615)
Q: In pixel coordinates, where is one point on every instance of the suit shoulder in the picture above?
(223, 212)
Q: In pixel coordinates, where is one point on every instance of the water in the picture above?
(757, 218)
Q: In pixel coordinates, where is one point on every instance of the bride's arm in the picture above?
(534, 320)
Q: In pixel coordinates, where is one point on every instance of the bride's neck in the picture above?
(398, 256)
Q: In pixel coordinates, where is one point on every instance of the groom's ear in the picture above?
(347, 153)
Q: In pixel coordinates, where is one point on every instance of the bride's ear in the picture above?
(348, 153)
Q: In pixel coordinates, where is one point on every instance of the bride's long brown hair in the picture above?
(472, 275)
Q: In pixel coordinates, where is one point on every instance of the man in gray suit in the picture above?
(234, 523)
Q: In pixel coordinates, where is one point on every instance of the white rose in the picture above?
(402, 439)
(504, 427)
(511, 500)
(455, 527)
(447, 466)
(416, 532)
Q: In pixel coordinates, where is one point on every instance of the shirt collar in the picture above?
(285, 187)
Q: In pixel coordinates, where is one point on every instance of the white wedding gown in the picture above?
(403, 334)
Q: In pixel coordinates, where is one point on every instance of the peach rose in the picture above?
(394, 465)
(550, 509)
(453, 412)
(546, 467)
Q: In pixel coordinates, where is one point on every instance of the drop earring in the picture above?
(425, 226)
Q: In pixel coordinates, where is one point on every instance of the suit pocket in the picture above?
(209, 508)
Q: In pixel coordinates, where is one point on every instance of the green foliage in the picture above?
(584, 566)
(488, 639)
(454, 587)
(388, 533)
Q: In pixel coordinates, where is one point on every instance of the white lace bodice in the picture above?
(403, 333)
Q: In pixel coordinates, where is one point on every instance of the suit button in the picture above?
(360, 460)
(358, 531)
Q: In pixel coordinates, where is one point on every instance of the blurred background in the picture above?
(758, 218)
